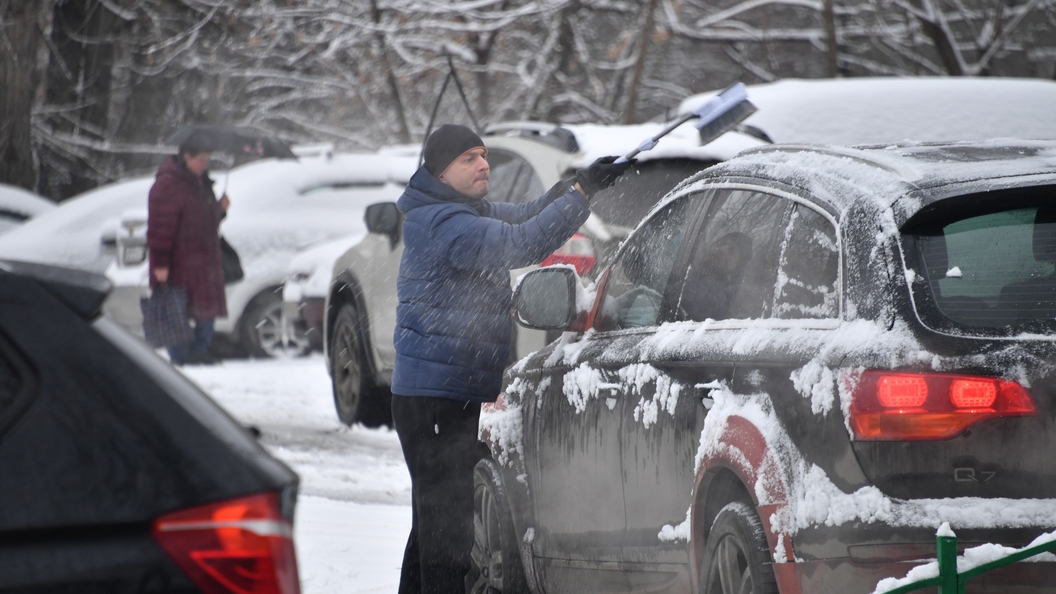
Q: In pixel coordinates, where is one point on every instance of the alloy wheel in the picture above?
(347, 371)
(275, 336)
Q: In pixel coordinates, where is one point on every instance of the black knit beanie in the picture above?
(445, 144)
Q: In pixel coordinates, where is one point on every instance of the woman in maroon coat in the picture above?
(183, 223)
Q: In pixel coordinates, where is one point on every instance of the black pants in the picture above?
(439, 441)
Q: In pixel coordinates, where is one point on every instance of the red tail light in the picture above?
(237, 546)
(888, 406)
(577, 251)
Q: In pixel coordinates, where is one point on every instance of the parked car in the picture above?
(304, 292)
(526, 159)
(116, 473)
(69, 234)
(798, 366)
(868, 110)
(278, 209)
(18, 205)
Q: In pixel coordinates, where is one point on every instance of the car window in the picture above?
(626, 202)
(995, 269)
(809, 263)
(731, 270)
(512, 178)
(639, 276)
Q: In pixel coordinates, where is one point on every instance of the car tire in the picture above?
(737, 557)
(262, 329)
(496, 555)
(356, 398)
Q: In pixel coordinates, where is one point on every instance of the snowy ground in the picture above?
(353, 513)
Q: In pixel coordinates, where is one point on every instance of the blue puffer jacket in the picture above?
(453, 323)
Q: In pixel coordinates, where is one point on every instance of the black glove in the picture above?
(601, 174)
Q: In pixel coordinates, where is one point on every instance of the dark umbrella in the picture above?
(238, 140)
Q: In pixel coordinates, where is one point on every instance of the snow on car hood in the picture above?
(70, 234)
(309, 271)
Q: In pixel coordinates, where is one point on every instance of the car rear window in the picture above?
(993, 269)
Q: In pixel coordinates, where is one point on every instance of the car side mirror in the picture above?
(384, 218)
(108, 242)
(545, 299)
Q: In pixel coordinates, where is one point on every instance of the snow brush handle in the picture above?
(708, 112)
(650, 143)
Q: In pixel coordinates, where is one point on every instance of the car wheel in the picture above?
(737, 558)
(496, 555)
(265, 333)
(356, 398)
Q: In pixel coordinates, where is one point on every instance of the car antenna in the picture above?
(718, 115)
(451, 75)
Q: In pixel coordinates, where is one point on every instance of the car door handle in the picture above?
(609, 392)
(704, 390)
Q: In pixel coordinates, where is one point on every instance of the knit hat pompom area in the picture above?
(445, 144)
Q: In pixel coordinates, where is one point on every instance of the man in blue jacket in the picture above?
(453, 331)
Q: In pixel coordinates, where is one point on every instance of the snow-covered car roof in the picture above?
(852, 111)
(587, 142)
(912, 174)
(597, 140)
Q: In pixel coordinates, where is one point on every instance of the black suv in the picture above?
(116, 473)
(800, 364)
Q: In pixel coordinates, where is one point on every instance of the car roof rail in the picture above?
(550, 134)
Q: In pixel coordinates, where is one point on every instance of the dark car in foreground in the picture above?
(116, 473)
(800, 364)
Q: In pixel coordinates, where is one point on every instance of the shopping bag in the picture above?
(165, 320)
(230, 261)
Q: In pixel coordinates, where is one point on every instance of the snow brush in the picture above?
(718, 115)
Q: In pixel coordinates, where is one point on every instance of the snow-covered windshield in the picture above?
(993, 269)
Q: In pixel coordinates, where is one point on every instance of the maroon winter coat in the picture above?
(183, 234)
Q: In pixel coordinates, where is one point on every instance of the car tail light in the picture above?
(888, 406)
(577, 251)
(241, 546)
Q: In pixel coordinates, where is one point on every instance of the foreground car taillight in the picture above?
(888, 406)
(577, 251)
(240, 545)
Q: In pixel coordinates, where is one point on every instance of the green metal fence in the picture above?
(950, 581)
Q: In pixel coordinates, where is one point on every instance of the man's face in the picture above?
(197, 164)
(469, 173)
